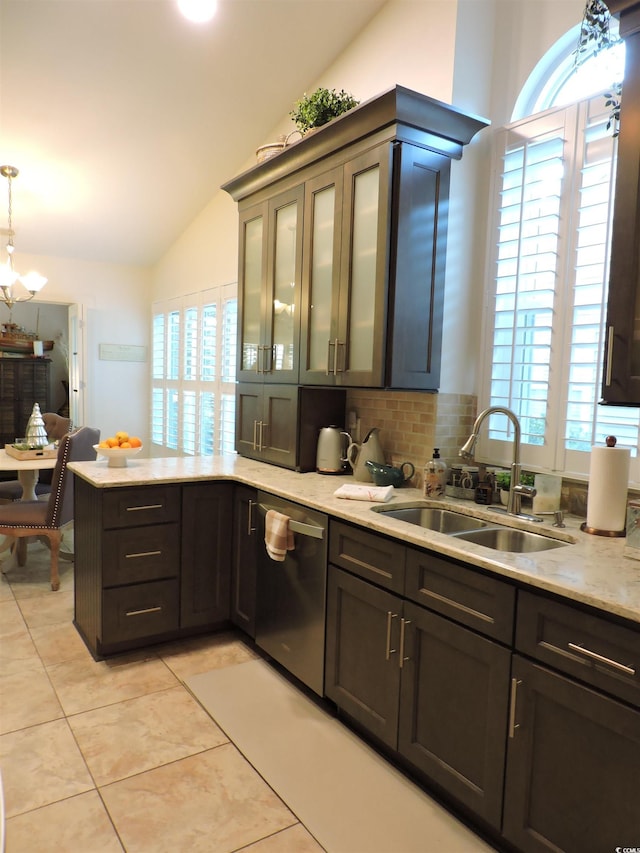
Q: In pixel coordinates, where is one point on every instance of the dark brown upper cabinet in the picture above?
(621, 376)
(373, 229)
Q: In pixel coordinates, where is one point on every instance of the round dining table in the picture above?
(27, 470)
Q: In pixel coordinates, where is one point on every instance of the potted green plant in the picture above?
(320, 107)
(503, 483)
(596, 35)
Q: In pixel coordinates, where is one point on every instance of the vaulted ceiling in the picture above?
(124, 118)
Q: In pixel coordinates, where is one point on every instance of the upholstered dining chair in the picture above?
(46, 518)
(56, 428)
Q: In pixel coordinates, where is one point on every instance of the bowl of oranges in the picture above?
(118, 448)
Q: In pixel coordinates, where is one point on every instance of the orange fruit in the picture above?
(112, 441)
(125, 444)
(121, 435)
(103, 443)
(134, 441)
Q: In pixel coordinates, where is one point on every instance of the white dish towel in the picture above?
(379, 494)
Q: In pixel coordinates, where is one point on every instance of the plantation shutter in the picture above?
(546, 305)
(193, 373)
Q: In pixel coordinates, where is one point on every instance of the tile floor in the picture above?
(89, 751)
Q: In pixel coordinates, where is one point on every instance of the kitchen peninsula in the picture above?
(508, 684)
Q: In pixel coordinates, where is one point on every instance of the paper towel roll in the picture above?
(608, 485)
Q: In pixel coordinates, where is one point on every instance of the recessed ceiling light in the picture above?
(198, 11)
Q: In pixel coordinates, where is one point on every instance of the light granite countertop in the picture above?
(590, 569)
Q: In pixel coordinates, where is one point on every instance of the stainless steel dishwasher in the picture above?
(291, 595)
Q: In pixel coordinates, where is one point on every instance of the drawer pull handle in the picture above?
(143, 554)
(628, 670)
(512, 708)
(142, 612)
(389, 651)
(147, 506)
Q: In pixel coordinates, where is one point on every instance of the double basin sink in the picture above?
(499, 537)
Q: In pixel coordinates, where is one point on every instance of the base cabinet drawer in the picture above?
(138, 506)
(478, 601)
(368, 555)
(141, 610)
(600, 652)
(139, 554)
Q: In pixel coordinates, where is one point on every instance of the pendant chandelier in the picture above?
(32, 282)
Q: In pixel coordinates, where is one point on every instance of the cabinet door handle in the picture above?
(332, 369)
(512, 707)
(403, 624)
(142, 612)
(389, 651)
(146, 506)
(607, 380)
(341, 348)
(255, 431)
(329, 345)
(143, 554)
(262, 426)
(263, 350)
(628, 670)
(250, 528)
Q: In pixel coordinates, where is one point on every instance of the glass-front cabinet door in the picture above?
(360, 351)
(252, 275)
(284, 280)
(321, 278)
(345, 273)
(269, 289)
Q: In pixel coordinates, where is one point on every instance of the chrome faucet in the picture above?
(516, 489)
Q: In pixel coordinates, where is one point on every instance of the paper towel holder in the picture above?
(610, 441)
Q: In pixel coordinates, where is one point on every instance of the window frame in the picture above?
(181, 360)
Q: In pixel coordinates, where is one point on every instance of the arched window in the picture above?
(554, 182)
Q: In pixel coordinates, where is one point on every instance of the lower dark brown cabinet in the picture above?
(432, 690)
(206, 554)
(573, 765)
(244, 565)
(362, 675)
(454, 709)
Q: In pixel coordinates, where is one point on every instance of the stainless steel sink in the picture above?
(440, 520)
(510, 539)
(496, 536)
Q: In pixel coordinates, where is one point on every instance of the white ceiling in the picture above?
(124, 119)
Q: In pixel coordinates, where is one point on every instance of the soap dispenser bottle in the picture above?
(435, 476)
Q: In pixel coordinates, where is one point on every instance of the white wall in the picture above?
(116, 300)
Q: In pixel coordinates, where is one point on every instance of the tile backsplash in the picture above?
(412, 423)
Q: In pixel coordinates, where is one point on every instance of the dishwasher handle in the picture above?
(298, 526)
